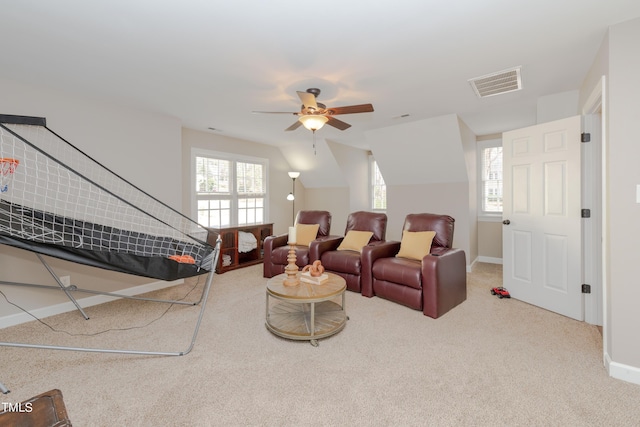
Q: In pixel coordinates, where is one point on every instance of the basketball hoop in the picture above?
(7, 168)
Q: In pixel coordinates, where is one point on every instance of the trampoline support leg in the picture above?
(62, 286)
(205, 294)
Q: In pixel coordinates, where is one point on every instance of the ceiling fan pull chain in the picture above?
(314, 143)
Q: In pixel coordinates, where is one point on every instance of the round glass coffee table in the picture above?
(306, 311)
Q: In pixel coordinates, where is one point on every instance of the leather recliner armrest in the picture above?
(323, 244)
(370, 254)
(444, 281)
(270, 243)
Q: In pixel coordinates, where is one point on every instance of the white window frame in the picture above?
(234, 197)
(483, 215)
(372, 184)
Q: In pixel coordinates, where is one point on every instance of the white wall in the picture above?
(622, 208)
(138, 145)
(470, 147)
(438, 198)
(354, 165)
(318, 167)
(422, 152)
(333, 199)
(490, 241)
(557, 106)
(618, 60)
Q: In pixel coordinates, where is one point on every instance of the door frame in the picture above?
(592, 226)
(595, 180)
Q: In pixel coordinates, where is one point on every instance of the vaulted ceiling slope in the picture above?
(424, 152)
(212, 63)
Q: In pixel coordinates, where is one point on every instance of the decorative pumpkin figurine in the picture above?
(315, 270)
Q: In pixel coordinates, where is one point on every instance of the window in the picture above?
(229, 190)
(490, 167)
(378, 188)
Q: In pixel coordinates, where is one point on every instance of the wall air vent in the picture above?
(497, 83)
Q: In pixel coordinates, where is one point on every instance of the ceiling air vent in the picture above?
(497, 83)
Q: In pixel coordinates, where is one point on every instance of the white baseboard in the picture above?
(41, 313)
(486, 259)
(623, 372)
(489, 260)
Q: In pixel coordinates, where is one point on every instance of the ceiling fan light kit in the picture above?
(313, 122)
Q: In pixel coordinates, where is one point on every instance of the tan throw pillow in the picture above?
(306, 233)
(416, 244)
(355, 240)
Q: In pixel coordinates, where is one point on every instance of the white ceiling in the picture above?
(212, 62)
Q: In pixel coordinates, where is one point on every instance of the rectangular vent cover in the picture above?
(497, 83)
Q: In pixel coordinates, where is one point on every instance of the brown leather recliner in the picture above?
(353, 266)
(434, 285)
(276, 248)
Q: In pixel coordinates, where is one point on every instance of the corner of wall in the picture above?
(620, 371)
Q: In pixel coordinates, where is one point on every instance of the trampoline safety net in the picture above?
(56, 200)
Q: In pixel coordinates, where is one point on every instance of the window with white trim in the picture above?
(378, 188)
(490, 179)
(229, 190)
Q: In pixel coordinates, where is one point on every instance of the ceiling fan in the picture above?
(313, 115)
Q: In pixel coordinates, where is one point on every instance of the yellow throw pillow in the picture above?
(306, 233)
(355, 240)
(416, 244)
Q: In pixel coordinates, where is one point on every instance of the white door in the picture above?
(542, 216)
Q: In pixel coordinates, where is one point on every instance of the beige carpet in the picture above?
(487, 362)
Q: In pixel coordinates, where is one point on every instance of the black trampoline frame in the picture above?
(68, 290)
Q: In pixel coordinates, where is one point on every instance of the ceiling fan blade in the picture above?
(351, 109)
(308, 100)
(294, 126)
(339, 124)
(275, 112)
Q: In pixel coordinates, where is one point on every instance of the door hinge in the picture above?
(586, 289)
(585, 137)
(585, 213)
